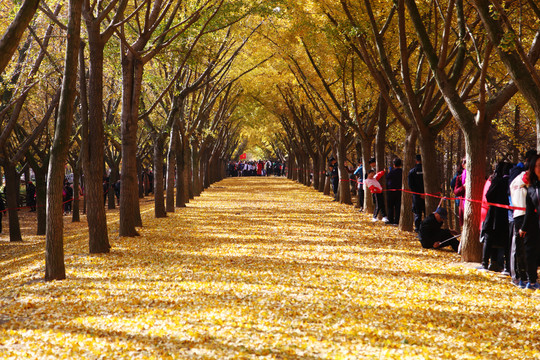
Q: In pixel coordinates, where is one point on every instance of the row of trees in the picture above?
(149, 84)
(401, 78)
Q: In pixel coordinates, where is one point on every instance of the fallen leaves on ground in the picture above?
(259, 268)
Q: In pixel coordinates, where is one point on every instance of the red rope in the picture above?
(508, 207)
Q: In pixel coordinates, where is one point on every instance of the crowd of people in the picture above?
(510, 230)
(255, 168)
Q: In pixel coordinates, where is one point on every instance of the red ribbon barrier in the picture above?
(508, 207)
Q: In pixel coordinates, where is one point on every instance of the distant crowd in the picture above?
(255, 168)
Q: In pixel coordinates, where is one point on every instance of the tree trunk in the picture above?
(322, 172)
(159, 200)
(12, 198)
(132, 72)
(344, 188)
(406, 220)
(195, 171)
(41, 200)
(141, 178)
(54, 244)
(476, 147)
(432, 184)
(10, 39)
(75, 213)
(188, 182)
(93, 154)
(181, 179)
(369, 206)
(316, 171)
(380, 142)
(171, 167)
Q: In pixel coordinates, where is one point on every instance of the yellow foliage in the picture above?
(259, 268)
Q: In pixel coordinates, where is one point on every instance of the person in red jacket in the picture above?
(375, 187)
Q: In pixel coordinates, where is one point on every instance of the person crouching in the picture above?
(432, 236)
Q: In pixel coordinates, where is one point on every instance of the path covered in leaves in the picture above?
(260, 268)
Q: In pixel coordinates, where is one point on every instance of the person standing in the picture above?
(415, 179)
(530, 230)
(394, 184)
(519, 181)
(334, 177)
(495, 226)
(31, 196)
(518, 196)
(68, 197)
(375, 187)
(359, 173)
(459, 190)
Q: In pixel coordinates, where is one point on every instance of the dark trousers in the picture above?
(491, 256)
(418, 208)
(1, 213)
(335, 185)
(447, 239)
(444, 237)
(393, 198)
(378, 200)
(518, 263)
(530, 242)
(360, 198)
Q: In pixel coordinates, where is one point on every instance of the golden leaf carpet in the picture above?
(258, 268)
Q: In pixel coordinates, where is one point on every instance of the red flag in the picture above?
(243, 156)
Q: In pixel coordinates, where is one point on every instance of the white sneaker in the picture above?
(374, 220)
(385, 219)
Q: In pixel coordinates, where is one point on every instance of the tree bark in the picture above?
(369, 206)
(316, 171)
(181, 179)
(132, 72)
(159, 200)
(54, 243)
(476, 147)
(41, 200)
(12, 199)
(93, 151)
(322, 172)
(12, 36)
(344, 188)
(171, 167)
(406, 221)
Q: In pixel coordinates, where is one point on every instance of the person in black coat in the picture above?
(334, 176)
(432, 236)
(495, 228)
(530, 230)
(31, 196)
(416, 184)
(394, 183)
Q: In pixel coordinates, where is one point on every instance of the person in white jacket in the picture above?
(518, 258)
